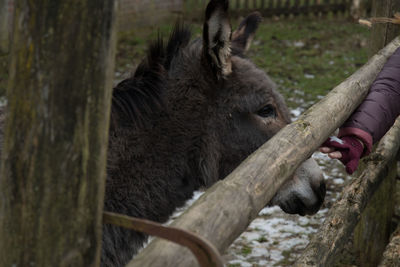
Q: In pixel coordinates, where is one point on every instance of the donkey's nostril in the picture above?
(322, 189)
(320, 193)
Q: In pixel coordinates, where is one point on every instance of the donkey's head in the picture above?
(234, 106)
(214, 107)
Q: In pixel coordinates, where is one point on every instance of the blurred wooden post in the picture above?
(271, 4)
(5, 35)
(382, 34)
(374, 228)
(4, 26)
(55, 139)
(391, 255)
(306, 10)
(237, 4)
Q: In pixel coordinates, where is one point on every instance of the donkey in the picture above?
(192, 111)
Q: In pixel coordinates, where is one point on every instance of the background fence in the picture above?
(135, 13)
(270, 8)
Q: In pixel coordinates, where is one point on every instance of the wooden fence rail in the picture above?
(225, 210)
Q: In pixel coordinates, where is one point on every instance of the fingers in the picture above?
(326, 149)
(332, 153)
(335, 155)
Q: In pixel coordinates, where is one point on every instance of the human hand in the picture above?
(347, 149)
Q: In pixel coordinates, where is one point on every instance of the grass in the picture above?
(262, 239)
(246, 250)
(286, 260)
(306, 57)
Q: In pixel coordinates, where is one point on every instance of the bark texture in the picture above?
(227, 208)
(326, 245)
(391, 256)
(4, 26)
(54, 154)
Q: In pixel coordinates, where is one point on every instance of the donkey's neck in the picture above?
(150, 174)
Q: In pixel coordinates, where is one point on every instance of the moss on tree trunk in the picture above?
(55, 140)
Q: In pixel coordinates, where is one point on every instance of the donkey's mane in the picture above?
(136, 98)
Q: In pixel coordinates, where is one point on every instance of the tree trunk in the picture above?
(5, 18)
(226, 209)
(55, 139)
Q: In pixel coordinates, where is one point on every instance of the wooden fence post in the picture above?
(55, 139)
(373, 231)
(5, 32)
(4, 26)
(391, 255)
(382, 34)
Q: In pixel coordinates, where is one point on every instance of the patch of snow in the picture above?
(338, 181)
(336, 139)
(180, 210)
(296, 113)
(269, 210)
(298, 44)
(3, 101)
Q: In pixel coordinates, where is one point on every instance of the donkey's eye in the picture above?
(267, 111)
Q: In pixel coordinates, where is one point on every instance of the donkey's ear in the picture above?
(217, 37)
(242, 37)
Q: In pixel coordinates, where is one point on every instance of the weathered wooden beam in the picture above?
(372, 232)
(343, 217)
(391, 256)
(54, 155)
(226, 209)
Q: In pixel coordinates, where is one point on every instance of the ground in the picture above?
(306, 57)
